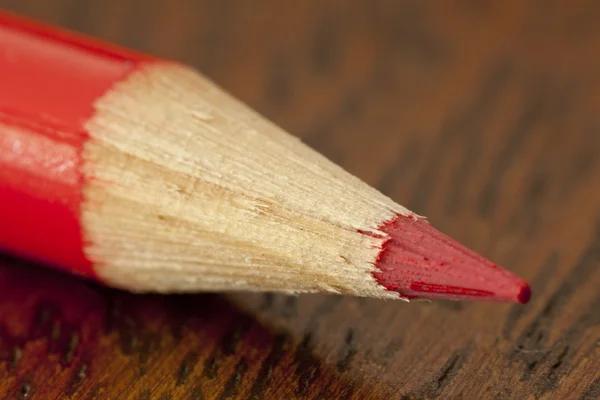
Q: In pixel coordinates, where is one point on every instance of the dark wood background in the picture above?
(482, 115)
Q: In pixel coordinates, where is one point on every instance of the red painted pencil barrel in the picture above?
(49, 80)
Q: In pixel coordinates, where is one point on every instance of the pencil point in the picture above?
(420, 262)
(524, 294)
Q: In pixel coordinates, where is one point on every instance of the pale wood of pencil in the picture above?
(190, 190)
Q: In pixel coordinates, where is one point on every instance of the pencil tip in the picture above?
(524, 294)
(418, 261)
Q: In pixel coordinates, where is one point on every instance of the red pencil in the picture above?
(141, 174)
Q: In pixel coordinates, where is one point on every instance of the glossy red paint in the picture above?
(49, 81)
(417, 261)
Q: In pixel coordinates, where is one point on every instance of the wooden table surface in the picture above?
(482, 115)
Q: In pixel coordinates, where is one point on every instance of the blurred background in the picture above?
(482, 115)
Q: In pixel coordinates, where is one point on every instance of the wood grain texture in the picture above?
(481, 115)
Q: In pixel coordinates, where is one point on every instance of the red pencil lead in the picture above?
(420, 262)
